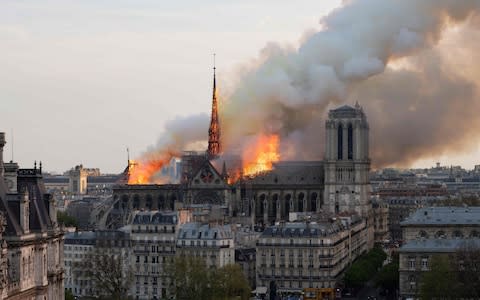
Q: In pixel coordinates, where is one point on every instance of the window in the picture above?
(340, 142)
(350, 142)
(424, 263)
(411, 263)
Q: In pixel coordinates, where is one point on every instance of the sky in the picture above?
(80, 81)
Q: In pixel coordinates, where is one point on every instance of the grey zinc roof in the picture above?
(155, 217)
(302, 230)
(205, 231)
(444, 215)
(81, 237)
(438, 245)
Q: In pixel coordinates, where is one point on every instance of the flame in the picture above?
(143, 171)
(261, 154)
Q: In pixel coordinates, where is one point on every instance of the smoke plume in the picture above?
(393, 57)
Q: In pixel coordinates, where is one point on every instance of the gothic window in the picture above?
(136, 202)
(161, 202)
(340, 142)
(313, 202)
(301, 196)
(148, 203)
(287, 204)
(350, 141)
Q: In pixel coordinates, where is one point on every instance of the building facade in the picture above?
(434, 231)
(32, 242)
(212, 242)
(295, 256)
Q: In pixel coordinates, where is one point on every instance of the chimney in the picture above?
(2, 144)
(25, 211)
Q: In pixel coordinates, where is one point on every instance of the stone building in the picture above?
(32, 243)
(294, 256)
(78, 247)
(77, 180)
(430, 231)
(380, 220)
(153, 249)
(212, 242)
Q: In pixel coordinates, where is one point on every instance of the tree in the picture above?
(69, 295)
(439, 282)
(194, 280)
(191, 278)
(110, 273)
(229, 282)
(388, 277)
(68, 221)
(364, 268)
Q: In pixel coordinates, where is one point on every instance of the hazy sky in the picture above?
(82, 80)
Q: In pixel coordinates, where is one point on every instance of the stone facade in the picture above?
(32, 243)
(309, 255)
(212, 242)
(434, 231)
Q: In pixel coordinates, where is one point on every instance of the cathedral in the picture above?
(337, 185)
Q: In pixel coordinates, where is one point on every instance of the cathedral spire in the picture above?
(214, 147)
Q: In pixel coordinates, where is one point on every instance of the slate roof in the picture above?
(444, 215)
(438, 245)
(302, 230)
(155, 217)
(81, 237)
(205, 232)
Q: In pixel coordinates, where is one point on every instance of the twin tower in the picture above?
(347, 162)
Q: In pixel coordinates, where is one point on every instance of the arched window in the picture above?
(457, 234)
(340, 142)
(261, 204)
(313, 202)
(161, 202)
(148, 202)
(301, 196)
(287, 204)
(350, 141)
(136, 202)
(440, 234)
(474, 234)
(423, 234)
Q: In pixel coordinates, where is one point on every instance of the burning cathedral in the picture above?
(268, 190)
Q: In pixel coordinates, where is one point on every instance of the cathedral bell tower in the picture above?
(347, 162)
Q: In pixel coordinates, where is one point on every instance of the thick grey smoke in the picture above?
(424, 109)
(183, 132)
(410, 111)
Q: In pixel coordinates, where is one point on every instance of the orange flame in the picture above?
(143, 172)
(260, 156)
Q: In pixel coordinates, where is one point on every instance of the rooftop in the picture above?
(438, 245)
(205, 231)
(444, 216)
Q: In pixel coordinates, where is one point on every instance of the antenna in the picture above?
(11, 133)
(214, 62)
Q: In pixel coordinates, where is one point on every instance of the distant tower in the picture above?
(214, 147)
(347, 163)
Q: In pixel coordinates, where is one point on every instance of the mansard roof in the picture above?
(444, 216)
(439, 245)
(155, 217)
(205, 232)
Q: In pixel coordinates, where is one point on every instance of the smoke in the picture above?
(413, 113)
(390, 56)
